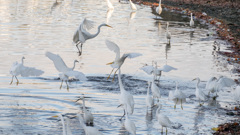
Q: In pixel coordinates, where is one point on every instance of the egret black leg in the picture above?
(12, 80)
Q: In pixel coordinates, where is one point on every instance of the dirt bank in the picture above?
(225, 14)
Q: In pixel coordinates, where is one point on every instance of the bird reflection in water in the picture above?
(55, 5)
(191, 36)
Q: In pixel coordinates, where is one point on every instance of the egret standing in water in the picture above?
(66, 72)
(87, 115)
(132, 5)
(155, 91)
(168, 34)
(210, 86)
(129, 125)
(66, 131)
(149, 99)
(117, 63)
(81, 34)
(178, 97)
(163, 120)
(159, 8)
(191, 21)
(126, 99)
(199, 93)
(20, 69)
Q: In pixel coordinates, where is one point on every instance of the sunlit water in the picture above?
(30, 28)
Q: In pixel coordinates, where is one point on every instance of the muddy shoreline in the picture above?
(224, 14)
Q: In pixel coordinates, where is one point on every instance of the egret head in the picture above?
(196, 79)
(76, 61)
(107, 25)
(23, 57)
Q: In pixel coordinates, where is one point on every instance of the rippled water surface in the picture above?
(31, 27)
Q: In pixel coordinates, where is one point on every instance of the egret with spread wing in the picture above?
(81, 34)
(20, 69)
(117, 63)
(65, 72)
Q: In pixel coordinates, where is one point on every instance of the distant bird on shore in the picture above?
(159, 8)
(168, 34)
(191, 21)
(65, 72)
(132, 5)
(81, 34)
(20, 69)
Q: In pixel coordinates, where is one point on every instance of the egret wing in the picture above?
(148, 69)
(226, 82)
(133, 55)
(167, 68)
(58, 62)
(77, 75)
(30, 71)
(14, 67)
(113, 47)
(87, 24)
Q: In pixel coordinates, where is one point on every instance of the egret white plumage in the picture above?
(149, 99)
(191, 21)
(118, 62)
(155, 90)
(110, 6)
(126, 99)
(236, 94)
(159, 8)
(210, 86)
(132, 5)
(69, 132)
(163, 120)
(178, 97)
(81, 34)
(200, 95)
(88, 129)
(20, 69)
(168, 34)
(129, 125)
(63, 124)
(87, 115)
(65, 72)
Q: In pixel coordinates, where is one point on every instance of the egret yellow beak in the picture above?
(110, 63)
(109, 26)
(55, 116)
(194, 79)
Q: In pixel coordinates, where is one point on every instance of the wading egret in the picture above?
(149, 99)
(199, 93)
(81, 34)
(65, 72)
(117, 63)
(168, 34)
(191, 21)
(159, 8)
(210, 86)
(126, 99)
(132, 5)
(178, 97)
(110, 6)
(87, 115)
(155, 90)
(163, 120)
(69, 132)
(88, 129)
(63, 124)
(20, 69)
(129, 125)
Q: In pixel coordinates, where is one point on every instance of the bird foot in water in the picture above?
(17, 82)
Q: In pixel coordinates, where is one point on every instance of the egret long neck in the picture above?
(198, 82)
(120, 81)
(99, 28)
(74, 63)
(64, 127)
(22, 60)
(191, 17)
(159, 3)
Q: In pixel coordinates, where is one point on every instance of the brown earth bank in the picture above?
(224, 14)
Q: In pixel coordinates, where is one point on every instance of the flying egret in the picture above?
(87, 115)
(168, 34)
(199, 93)
(163, 120)
(191, 21)
(149, 99)
(132, 5)
(118, 62)
(110, 6)
(159, 8)
(88, 129)
(81, 34)
(65, 72)
(20, 69)
(178, 97)
(129, 125)
(126, 99)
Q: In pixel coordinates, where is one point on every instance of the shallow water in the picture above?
(30, 28)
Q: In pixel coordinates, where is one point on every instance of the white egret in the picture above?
(87, 115)
(210, 86)
(110, 6)
(20, 69)
(129, 125)
(159, 8)
(63, 124)
(163, 120)
(200, 95)
(132, 5)
(126, 99)
(69, 132)
(155, 90)
(117, 63)
(149, 99)
(178, 97)
(236, 94)
(88, 129)
(66, 72)
(191, 21)
(81, 34)
(168, 34)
